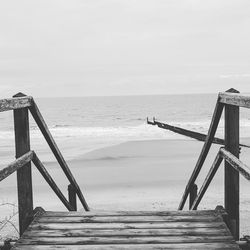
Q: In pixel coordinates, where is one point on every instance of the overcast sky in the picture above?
(122, 47)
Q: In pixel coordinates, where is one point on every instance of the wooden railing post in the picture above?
(72, 196)
(231, 175)
(24, 179)
(192, 195)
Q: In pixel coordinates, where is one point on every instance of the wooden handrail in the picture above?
(15, 103)
(15, 165)
(22, 161)
(206, 147)
(235, 99)
(237, 164)
(53, 146)
(51, 182)
(21, 104)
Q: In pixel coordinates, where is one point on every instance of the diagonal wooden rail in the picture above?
(230, 101)
(52, 144)
(21, 104)
(204, 152)
(238, 165)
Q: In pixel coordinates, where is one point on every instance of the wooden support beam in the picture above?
(231, 188)
(24, 178)
(207, 181)
(52, 144)
(192, 195)
(206, 147)
(72, 197)
(51, 182)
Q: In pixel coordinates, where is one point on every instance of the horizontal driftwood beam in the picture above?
(236, 163)
(189, 133)
(15, 103)
(15, 165)
(235, 99)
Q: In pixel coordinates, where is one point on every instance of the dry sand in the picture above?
(139, 175)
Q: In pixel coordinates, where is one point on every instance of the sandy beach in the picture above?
(136, 175)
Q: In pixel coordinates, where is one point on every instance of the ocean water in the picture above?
(80, 125)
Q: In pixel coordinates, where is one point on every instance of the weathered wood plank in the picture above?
(72, 196)
(52, 144)
(206, 147)
(129, 219)
(24, 176)
(15, 165)
(207, 181)
(15, 103)
(193, 246)
(130, 213)
(231, 187)
(150, 225)
(192, 195)
(51, 182)
(126, 232)
(99, 232)
(235, 99)
(122, 240)
(236, 163)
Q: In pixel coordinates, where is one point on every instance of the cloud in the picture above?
(80, 47)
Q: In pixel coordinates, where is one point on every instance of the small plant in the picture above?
(8, 226)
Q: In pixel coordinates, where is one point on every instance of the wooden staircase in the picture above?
(127, 230)
(191, 229)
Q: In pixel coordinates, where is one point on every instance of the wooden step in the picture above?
(128, 230)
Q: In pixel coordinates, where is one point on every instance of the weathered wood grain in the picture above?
(235, 99)
(149, 225)
(52, 144)
(126, 232)
(193, 246)
(51, 182)
(101, 213)
(231, 187)
(129, 219)
(122, 240)
(206, 147)
(15, 165)
(15, 103)
(24, 176)
(238, 165)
